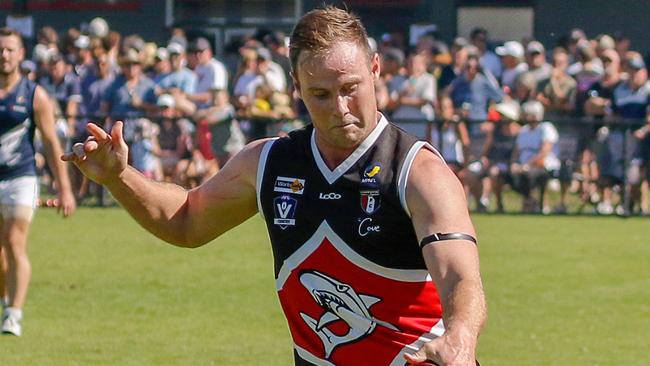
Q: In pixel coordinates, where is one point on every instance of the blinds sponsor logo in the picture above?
(289, 185)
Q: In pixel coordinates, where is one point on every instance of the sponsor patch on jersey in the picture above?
(370, 201)
(329, 196)
(289, 185)
(370, 176)
(366, 226)
(284, 208)
(19, 108)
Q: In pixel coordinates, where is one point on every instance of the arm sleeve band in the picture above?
(445, 236)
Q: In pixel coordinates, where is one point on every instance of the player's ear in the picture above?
(375, 66)
(296, 84)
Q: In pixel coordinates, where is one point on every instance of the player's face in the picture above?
(338, 89)
(11, 54)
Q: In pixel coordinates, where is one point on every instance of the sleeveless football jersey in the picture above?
(17, 131)
(349, 271)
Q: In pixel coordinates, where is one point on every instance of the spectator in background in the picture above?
(558, 96)
(472, 92)
(246, 75)
(587, 72)
(269, 72)
(28, 69)
(144, 149)
(643, 156)
(211, 74)
(130, 96)
(489, 61)
(181, 79)
(536, 60)
(451, 138)
(84, 64)
(275, 42)
(393, 75)
(630, 101)
(534, 156)
(416, 98)
(512, 55)
(94, 89)
(161, 68)
(448, 73)
(181, 82)
(227, 137)
(65, 89)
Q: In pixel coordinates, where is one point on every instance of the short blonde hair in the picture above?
(320, 29)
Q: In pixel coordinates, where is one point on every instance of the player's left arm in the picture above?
(437, 204)
(44, 119)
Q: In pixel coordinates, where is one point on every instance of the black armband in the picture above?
(446, 236)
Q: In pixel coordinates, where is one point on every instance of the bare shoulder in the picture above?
(41, 98)
(435, 196)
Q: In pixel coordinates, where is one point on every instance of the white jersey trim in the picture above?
(402, 180)
(332, 175)
(325, 231)
(307, 356)
(261, 166)
(436, 331)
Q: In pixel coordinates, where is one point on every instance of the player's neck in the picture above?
(8, 81)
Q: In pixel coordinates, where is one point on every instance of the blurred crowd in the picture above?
(570, 118)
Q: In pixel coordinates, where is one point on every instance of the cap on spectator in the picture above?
(41, 53)
(634, 60)
(162, 54)
(82, 42)
(166, 101)
(200, 44)
(394, 54)
(511, 48)
(263, 54)
(577, 34)
(27, 66)
(134, 42)
(606, 42)
(460, 42)
(534, 109)
(509, 110)
(175, 48)
(386, 37)
(98, 28)
(535, 47)
(130, 57)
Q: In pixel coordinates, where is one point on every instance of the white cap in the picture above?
(509, 110)
(166, 100)
(533, 108)
(175, 48)
(82, 42)
(162, 53)
(98, 27)
(511, 48)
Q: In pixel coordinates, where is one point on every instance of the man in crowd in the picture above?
(24, 106)
(360, 230)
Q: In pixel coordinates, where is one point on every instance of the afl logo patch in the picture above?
(289, 185)
(284, 208)
(370, 201)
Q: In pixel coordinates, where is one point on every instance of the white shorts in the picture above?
(18, 197)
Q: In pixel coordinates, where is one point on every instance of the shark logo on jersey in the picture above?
(341, 303)
(10, 142)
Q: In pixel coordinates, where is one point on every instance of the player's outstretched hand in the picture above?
(444, 351)
(102, 157)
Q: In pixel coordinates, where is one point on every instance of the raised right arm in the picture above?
(178, 216)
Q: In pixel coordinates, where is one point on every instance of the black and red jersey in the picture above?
(349, 272)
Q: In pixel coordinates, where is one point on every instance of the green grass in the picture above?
(561, 291)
